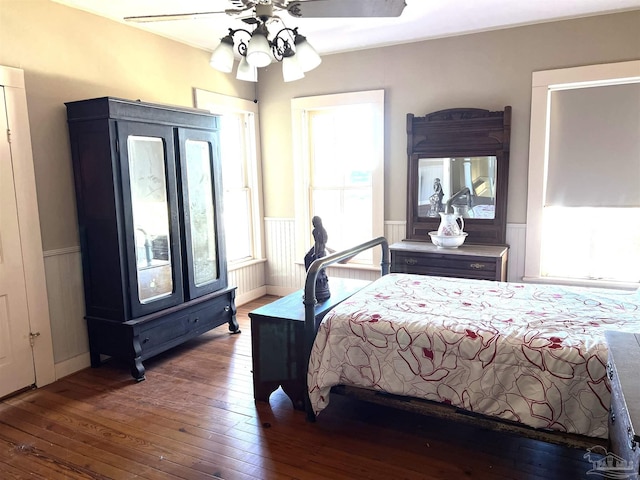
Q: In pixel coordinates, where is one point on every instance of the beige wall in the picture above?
(485, 70)
(68, 54)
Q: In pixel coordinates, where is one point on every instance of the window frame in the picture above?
(302, 164)
(219, 104)
(543, 83)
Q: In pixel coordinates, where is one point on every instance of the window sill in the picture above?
(574, 282)
(244, 263)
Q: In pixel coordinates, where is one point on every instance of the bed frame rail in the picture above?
(450, 413)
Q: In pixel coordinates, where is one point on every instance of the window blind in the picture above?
(594, 147)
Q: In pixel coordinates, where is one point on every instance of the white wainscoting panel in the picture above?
(286, 274)
(249, 280)
(63, 270)
(395, 231)
(516, 239)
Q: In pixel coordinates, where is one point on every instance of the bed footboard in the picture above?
(310, 323)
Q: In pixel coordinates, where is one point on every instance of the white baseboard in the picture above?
(72, 365)
(246, 297)
(280, 291)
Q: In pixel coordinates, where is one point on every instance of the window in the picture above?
(240, 174)
(575, 246)
(583, 212)
(339, 157)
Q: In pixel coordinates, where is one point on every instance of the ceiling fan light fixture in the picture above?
(308, 58)
(222, 57)
(259, 48)
(246, 72)
(291, 70)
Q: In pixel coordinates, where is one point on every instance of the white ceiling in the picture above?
(420, 20)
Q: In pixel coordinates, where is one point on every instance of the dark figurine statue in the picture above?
(318, 250)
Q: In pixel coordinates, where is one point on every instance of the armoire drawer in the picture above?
(158, 334)
(162, 332)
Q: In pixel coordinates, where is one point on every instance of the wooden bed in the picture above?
(545, 379)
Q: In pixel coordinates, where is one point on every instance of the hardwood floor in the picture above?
(194, 417)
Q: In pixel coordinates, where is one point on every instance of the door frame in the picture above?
(12, 79)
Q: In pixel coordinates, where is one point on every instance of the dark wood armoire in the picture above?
(149, 195)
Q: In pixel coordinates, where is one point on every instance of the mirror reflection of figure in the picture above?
(436, 198)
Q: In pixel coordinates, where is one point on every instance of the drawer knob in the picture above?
(613, 417)
(227, 308)
(477, 266)
(410, 261)
(632, 443)
(145, 340)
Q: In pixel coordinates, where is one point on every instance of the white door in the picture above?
(16, 360)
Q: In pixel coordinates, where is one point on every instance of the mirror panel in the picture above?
(201, 212)
(459, 163)
(150, 208)
(463, 185)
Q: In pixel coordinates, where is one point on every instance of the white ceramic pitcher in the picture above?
(449, 226)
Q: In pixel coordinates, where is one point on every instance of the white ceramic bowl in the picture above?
(447, 241)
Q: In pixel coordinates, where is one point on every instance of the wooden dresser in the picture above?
(484, 262)
(624, 418)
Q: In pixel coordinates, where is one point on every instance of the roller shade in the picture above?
(594, 147)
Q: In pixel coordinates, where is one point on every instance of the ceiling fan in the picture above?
(260, 47)
(254, 9)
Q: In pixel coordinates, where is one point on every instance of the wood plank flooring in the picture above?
(194, 417)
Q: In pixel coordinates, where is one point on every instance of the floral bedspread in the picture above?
(534, 354)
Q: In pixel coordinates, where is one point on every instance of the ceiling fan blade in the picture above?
(170, 17)
(183, 16)
(346, 8)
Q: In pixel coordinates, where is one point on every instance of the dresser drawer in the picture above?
(461, 267)
(482, 262)
(444, 262)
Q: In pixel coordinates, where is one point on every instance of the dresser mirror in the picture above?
(459, 163)
(465, 186)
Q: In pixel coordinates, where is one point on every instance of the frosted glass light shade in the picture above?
(246, 72)
(258, 51)
(308, 58)
(291, 68)
(222, 57)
